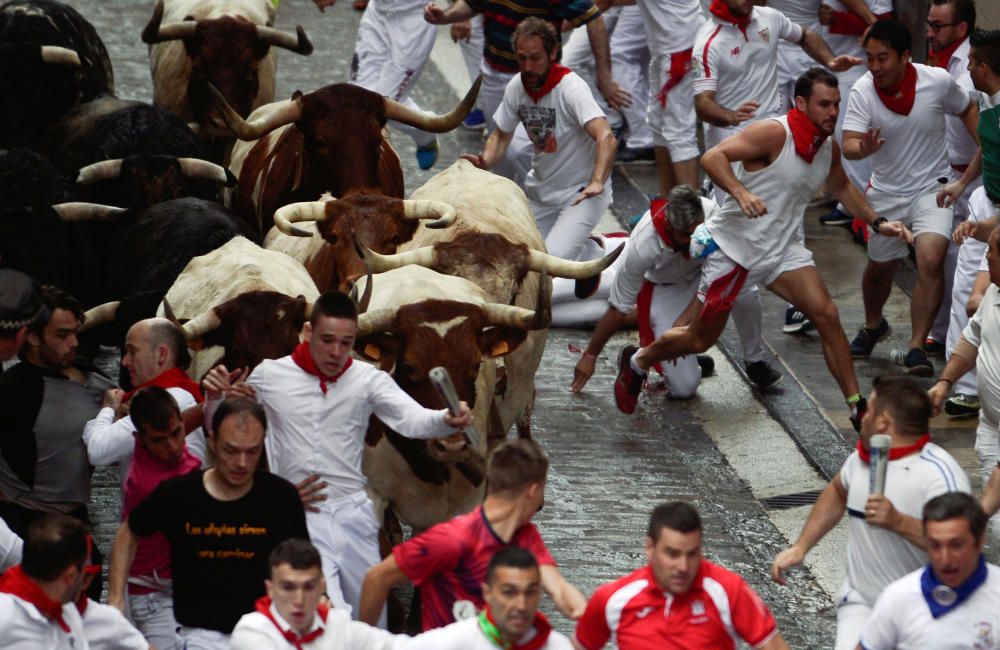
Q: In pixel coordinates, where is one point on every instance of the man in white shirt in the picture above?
(291, 617)
(954, 602)
(318, 402)
(569, 185)
(884, 538)
(896, 116)
(510, 619)
(36, 596)
(658, 277)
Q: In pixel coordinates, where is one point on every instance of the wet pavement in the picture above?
(727, 450)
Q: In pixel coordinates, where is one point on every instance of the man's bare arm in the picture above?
(762, 140)
(375, 589)
(714, 113)
(122, 556)
(456, 13)
(616, 96)
(825, 513)
(493, 151)
(566, 597)
(814, 45)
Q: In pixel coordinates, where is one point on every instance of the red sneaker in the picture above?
(628, 384)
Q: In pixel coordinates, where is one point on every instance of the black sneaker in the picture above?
(762, 375)
(836, 217)
(858, 412)
(707, 365)
(961, 405)
(796, 322)
(917, 364)
(641, 155)
(864, 342)
(933, 348)
(628, 384)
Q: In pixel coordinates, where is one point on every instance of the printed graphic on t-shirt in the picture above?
(540, 123)
(227, 540)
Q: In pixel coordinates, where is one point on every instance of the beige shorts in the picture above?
(921, 215)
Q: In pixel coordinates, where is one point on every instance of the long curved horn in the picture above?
(99, 315)
(375, 321)
(366, 297)
(444, 214)
(511, 316)
(154, 32)
(434, 123)
(199, 169)
(286, 215)
(202, 324)
(77, 211)
(280, 114)
(55, 55)
(560, 268)
(424, 256)
(299, 44)
(99, 171)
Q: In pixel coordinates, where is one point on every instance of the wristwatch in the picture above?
(878, 223)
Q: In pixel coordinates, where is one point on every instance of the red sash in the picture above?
(556, 72)
(805, 134)
(173, 378)
(899, 98)
(303, 359)
(263, 606)
(16, 583)
(897, 452)
(721, 11)
(644, 301)
(848, 23)
(680, 63)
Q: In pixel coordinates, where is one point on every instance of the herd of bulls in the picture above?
(118, 202)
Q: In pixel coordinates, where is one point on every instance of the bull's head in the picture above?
(143, 180)
(225, 52)
(41, 83)
(380, 222)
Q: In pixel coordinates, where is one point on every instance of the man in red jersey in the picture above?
(448, 562)
(679, 600)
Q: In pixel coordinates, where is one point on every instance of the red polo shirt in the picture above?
(717, 611)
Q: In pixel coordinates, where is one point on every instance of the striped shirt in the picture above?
(501, 18)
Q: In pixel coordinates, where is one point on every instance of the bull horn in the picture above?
(99, 315)
(168, 312)
(365, 298)
(201, 325)
(154, 32)
(286, 215)
(55, 55)
(299, 44)
(527, 319)
(99, 171)
(77, 211)
(376, 321)
(207, 171)
(560, 268)
(424, 256)
(280, 114)
(443, 213)
(434, 123)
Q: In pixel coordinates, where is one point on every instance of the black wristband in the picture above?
(878, 223)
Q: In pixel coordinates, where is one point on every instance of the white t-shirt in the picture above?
(466, 635)
(564, 152)
(671, 25)
(875, 556)
(740, 67)
(646, 257)
(902, 618)
(983, 331)
(800, 12)
(310, 432)
(961, 146)
(914, 155)
(108, 629)
(255, 632)
(24, 628)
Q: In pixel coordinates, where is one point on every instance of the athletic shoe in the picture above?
(860, 232)
(933, 348)
(916, 363)
(475, 120)
(864, 342)
(628, 384)
(836, 217)
(961, 405)
(762, 375)
(707, 365)
(858, 412)
(427, 156)
(629, 155)
(796, 322)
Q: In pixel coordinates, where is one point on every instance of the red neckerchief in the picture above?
(263, 605)
(658, 213)
(805, 134)
(680, 64)
(303, 359)
(722, 11)
(173, 378)
(941, 58)
(896, 452)
(542, 630)
(15, 582)
(556, 72)
(899, 98)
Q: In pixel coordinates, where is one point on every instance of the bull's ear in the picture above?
(380, 348)
(498, 341)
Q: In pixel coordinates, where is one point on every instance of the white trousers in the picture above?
(942, 322)
(857, 171)
(566, 227)
(853, 613)
(153, 615)
(345, 532)
(196, 638)
(472, 49)
(390, 52)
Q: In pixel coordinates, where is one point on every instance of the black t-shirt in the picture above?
(219, 549)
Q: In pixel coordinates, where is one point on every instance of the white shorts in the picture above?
(921, 215)
(671, 112)
(723, 280)
(853, 613)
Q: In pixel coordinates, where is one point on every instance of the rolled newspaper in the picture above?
(879, 449)
(442, 382)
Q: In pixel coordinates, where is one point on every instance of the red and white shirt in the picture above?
(633, 613)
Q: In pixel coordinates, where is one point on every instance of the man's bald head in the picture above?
(153, 346)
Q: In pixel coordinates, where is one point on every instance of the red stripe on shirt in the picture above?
(704, 54)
